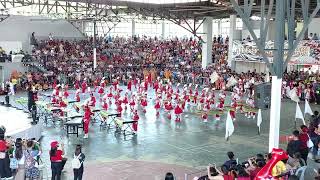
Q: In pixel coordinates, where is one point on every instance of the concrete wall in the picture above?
(314, 26)
(19, 28)
(243, 66)
(256, 28)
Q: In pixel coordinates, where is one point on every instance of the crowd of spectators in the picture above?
(127, 57)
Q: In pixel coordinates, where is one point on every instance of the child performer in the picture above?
(135, 124)
(178, 111)
(157, 107)
(86, 120)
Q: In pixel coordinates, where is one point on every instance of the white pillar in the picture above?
(163, 30)
(219, 27)
(275, 113)
(233, 26)
(133, 28)
(94, 58)
(207, 44)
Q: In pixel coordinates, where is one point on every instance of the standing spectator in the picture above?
(19, 155)
(79, 157)
(231, 162)
(294, 145)
(4, 157)
(304, 137)
(56, 160)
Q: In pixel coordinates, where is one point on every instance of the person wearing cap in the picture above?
(56, 160)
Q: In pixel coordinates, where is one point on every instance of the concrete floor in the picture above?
(189, 145)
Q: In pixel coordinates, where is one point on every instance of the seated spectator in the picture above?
(296, 161)
(231, 162)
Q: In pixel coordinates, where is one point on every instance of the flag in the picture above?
(307, 108)
(229, 126)
(231, 82)
(299, 114)
(214, 77)
(259, 120)
(293, 95)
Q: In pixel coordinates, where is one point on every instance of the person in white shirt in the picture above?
(18, 154)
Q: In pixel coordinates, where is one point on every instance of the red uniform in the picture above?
(86, 119)
(92, 101)
(84, 86)
(135, 124)
(129, 86)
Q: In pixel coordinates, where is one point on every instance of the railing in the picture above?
(199, 173)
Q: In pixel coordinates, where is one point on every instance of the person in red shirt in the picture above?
(5, 171)
(304, 138)
(56, 160)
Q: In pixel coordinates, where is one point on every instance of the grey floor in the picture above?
(190, 143)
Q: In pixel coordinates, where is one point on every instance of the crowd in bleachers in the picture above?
(127, 57)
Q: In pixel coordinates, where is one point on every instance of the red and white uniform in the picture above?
(233, 110)
(135, 124)
(86, 119)
(84, 86)
(132, 103)
(101, 88)
(178, 111)
(77, 95)
(250, 103)
(55, 95)
(129, 85)
(144, 104)
(168, 107)
(220, 108)
(92, 101)
(65, 92)
(157, 107)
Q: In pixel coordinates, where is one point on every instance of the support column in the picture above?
(207, 44)
(133, 28)
(233, 26)
(94, 46)
(163, 30)
(278, 60)
(219, 27)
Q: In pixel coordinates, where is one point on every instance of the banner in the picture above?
(307, 52)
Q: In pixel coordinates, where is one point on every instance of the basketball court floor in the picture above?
(163, 145)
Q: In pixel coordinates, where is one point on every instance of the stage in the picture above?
(17, 124)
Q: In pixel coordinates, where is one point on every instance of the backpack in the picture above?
(13, 161)
(29, 162)
(75, 163)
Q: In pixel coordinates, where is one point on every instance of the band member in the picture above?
(77, 95)
(86, 120)
(178, 111)
(157, 107)
(135, 124)
(84, 85)
(144, 104)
